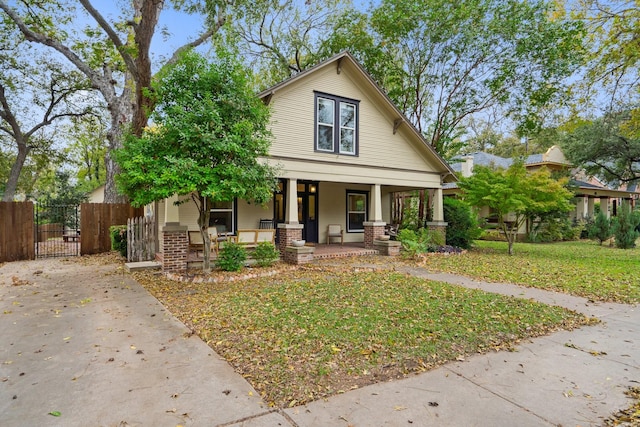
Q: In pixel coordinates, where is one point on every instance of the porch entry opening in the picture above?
(308, 210)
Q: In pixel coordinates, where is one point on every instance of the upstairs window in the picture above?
(336, 125)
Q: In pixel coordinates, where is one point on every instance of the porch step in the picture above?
(142, 265)
(344, 252)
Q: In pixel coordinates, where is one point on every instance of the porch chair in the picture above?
(335, 230)
(266, 223)
(216, 239)
(196, 243)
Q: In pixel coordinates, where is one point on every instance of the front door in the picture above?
(308, 210)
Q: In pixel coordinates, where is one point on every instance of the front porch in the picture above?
(321, 251)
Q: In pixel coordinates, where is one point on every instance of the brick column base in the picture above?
(287, 233)
(371, 232)
(387, 247)
(175, 246)
(439, 227)
(298, 255)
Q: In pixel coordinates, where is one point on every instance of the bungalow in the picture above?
(344, 151)
(588, 190)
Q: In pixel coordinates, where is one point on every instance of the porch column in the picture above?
(291, 229)
(437, 225)
(375, 204)
(590, 204)
(438, 208)
(581, 205)
(174, 242)
(604, 206)
(292, 202)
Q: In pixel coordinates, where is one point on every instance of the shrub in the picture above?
(231, 257)
(118, 235)
(424, 240)
(624, 227)
(266, 254)
(462, 228)
(600, 229)
(411, 215)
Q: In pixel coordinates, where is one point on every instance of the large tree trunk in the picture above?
(14, 175)
(121, 109)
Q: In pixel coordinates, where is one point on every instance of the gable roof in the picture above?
(339, 59)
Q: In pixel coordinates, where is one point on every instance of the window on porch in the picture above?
(222, 216)
(356, 211)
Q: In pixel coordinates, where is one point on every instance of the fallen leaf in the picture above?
(55, 413)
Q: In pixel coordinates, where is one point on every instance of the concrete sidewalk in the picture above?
(89, 342)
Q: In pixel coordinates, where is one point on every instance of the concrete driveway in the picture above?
(89, 345)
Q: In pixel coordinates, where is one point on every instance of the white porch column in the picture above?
(604, 206)
(438, 209)
(375, 204)
(590, 204)
(581, 203)
(291, 229)
(171, 210)
(292, 202)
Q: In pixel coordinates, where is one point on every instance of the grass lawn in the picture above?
(323, 329)
(583, 268)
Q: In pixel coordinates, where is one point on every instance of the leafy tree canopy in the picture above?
(607, 147)
(514, 195)
(207, 140)
(209, 131)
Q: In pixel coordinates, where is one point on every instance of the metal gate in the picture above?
(57, 230)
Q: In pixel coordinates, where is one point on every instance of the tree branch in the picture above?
(197, 42)
(97, 80)
(113, 36)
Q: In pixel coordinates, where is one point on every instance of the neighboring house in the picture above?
(97, 195)
(344, 152)
(588, 190)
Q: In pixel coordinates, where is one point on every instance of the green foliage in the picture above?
(231, 257)
(266, 254)
(418, 242)
(613, 68)
(210, 132)
(462, 223)
(601, 228)
(608, 147)
(508, 54)
(582, 268)
(515, 195)
(411, 215)
(624, 227)
(118, 234)
(556, 229)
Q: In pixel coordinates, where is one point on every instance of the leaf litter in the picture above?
(328, 327)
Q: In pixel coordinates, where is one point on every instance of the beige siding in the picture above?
(333, 208)
(249, 215)
(293, 124)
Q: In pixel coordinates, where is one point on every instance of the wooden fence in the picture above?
(95, 220)
(16, 231)
(141, 239)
